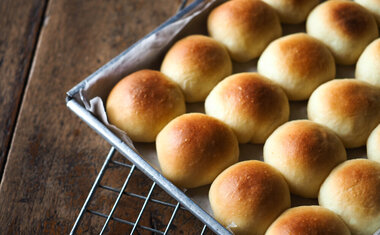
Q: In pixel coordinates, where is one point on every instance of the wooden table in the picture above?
(49, 158)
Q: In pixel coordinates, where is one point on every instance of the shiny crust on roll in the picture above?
(308, 220)
(142, 103)
(252, 105)
(196, 63)
(349, 107)
(352, 191)
(299, 63)
(344, 26)
(305, 153)
(194, 148)
(248, 196)
(245, 27)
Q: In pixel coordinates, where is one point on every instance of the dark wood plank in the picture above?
(54, 157)
(19, 25)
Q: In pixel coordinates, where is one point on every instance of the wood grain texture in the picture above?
(19, 27)
(54, 157)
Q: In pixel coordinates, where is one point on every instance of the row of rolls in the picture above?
(302, 157)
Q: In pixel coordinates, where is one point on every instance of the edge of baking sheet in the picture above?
(130, 154)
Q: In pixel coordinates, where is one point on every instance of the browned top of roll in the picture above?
(305, 54)
(359, 180)
(146, 92)
(250, 184)
(246, 14)
(352, 97)
(308, 220)
(198, 51)
(254, 95)
(310, 144)
(192, 134)
(349, 18)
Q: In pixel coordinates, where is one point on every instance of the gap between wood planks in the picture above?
(28, 67)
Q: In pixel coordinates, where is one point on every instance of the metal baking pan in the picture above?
(297, 110)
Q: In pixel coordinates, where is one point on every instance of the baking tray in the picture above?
(125, 147)
(73, 102)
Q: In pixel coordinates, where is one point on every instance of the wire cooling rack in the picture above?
(135, 228)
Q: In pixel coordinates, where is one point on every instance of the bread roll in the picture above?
(373, 145)
(344, 26)
(305, 153)
(197, 63)
(292, 12)
(142, 103)
(246, 27)
(308, 220)
(352, 191)
(349, 107)
(250, 104)
(373, 6)
(368, 66)
(298, 63)
(248, 196)
(194, 148)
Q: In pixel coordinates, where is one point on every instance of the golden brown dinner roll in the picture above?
(308, 220)
(246, 27)
(352, 190)
(373, 6)
(194, 148)
(142, 103)
(368, 66)
(344, 26)
(292, 12)
(298, 63)
(305, 153)
(252, 105)
(349, 107)
(197, 63)
(248, 196)
(373, 145)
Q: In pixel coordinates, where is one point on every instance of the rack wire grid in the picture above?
(136, 228)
